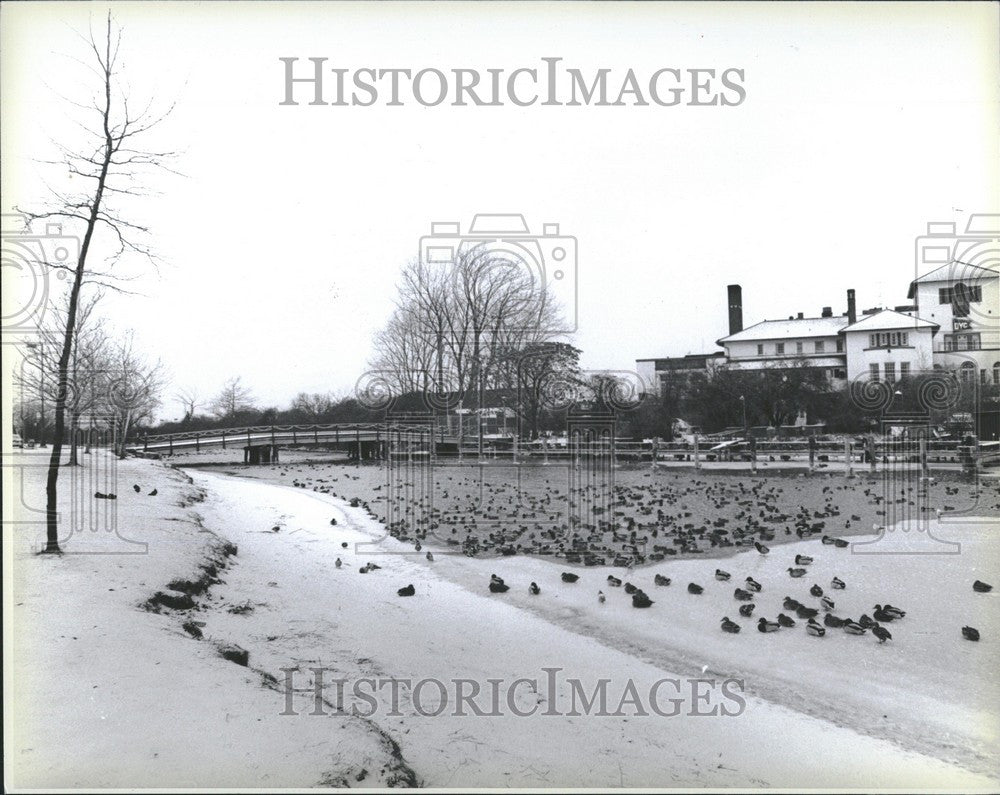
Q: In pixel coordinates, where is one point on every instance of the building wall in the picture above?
(952, 351)
(918, 353)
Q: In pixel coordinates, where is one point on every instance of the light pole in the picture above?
(41, 390)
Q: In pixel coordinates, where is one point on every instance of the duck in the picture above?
(883, 615)
(721, 576)
(827, 603)
(853, 628)
(630, 588)
(785, 621)
(814, 629)
(803, 560)
(753, 585)
(333, 521)
(409, 590)
(153, 493)
(816, 591)
(796, 573)
(430, 556)
(496, 579)
(498, 587)
(659, 579)
(881, 633)
(695, 589)
(601, 597)
(893, 611)
(338, 563)
(827, 540)
(730, 626)
(743, 596)
(840, 543)
(136, 488)
(614, 582)
(418, 546)
(763, 550)
(533, 589)
(791, 604)
(981, 587)
(970, 633)
(747, 610)
(639, 599)
(767, 626)
(806, 612)
(866, 621)
(833, 622)
(837, 584)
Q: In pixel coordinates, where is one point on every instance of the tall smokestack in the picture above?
(735, 308)
(852, 310)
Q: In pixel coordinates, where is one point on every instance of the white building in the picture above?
(797, 342)
(888, 346)
(964, 300)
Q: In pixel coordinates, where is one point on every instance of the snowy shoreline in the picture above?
(138, 700)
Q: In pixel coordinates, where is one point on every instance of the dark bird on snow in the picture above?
(837, 584)
(853, 628)
(409, 590)
(343, 544)
(333, 521)
(785, 621)
(136, 488)
(639, 599)
(767, 626)
(803, 560)
(614, 582)
(866, 621)
(695, 589)
(721, 576)
(981, 587)
(791, 604)
(498, 587)
(338, 563)
(881, 633)
(743, 596)
(833, 622)
(970, 633)
(430, 556)
(601, 597)
(534, 590)
(730, 626)
(153, 493)
(814, 629)
(816, 591)
(827, 603)
(880, 614)
(763, 550)
(570, 577)
(806, 612)
(630, 588)
(753, 585)
(659, 579)
(747, 610)
(796, 573)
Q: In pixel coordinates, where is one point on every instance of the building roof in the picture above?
(954, 271)
(789, 329)
(890, 319)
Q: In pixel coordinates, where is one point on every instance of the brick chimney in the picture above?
(852, 309)
(735, 308)
(827, 311)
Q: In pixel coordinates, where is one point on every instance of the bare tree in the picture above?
(232, 398)
(134, 389)
(110, 164)
(189, 400)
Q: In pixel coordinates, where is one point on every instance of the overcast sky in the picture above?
(283, 240)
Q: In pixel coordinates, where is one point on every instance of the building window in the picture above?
(760, 349)
(819, 346)
(839, 373)
(840, 346)
(798, 347)
(967, 372)
(780, 349)
(972, 293)
(890, 372)
(962, 342)
(904, 370)
(996, 373)
(889, 339)
(873, 371)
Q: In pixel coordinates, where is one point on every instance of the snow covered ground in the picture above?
(108, 694)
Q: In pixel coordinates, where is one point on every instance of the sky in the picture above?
(282, 236)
